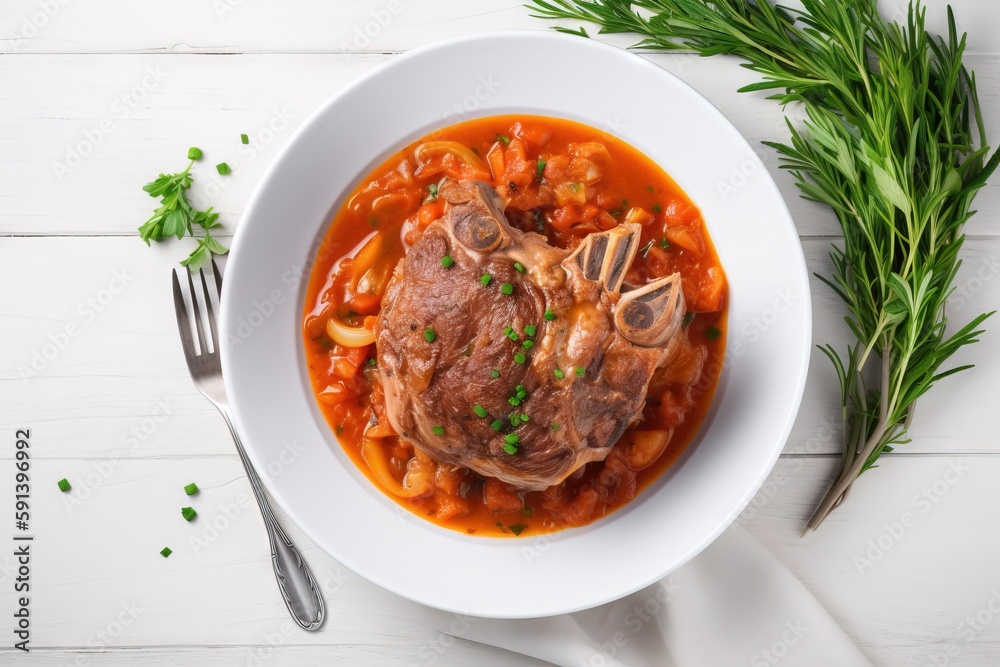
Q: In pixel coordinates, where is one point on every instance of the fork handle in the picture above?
(295, 581)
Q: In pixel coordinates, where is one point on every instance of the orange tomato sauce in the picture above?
(564, 180)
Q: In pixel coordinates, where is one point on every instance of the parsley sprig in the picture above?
(894, 143)
(176, 217)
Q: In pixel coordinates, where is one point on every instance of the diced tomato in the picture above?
(519, 169)
(499, 498)
(566, 216)
(706, 291)
(535, 135)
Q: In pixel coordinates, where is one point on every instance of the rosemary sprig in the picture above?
(894, 143)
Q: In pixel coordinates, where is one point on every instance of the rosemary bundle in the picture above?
(894, 142)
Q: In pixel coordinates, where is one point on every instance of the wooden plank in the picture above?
(453, 653)
(82, 134)
(116, 592)
(39, 26)
(97, 372)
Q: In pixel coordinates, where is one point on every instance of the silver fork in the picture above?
(295, 581)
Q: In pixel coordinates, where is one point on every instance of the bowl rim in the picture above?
(245, 230)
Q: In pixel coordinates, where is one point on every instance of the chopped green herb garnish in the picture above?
(194, 153)
(175, 216)
(528, 344)
(507, 288)
(527, 511)
(525, 418)
(429, 335)
(645, 249)
(64, 485)
(166, 551)
(494, 373)
(712, 333)
(520, 391)
(372, 363)
(437, 430)
(664, 243)
(222, 168)
(624, 203)
(615, 212)
(657, 208)
(519, 267)
(373, 221)
(510, 449)
(432, 193)
(649, 188)
(510, 333)
(480, 411)
(549, 315)
(558, 373)
(519, 358)
(244, 139)
(511, 438)
(496, 425)
(517, 528)
(191, 489)
(580, 370)
(540, 169)
(531, 330)
(688, 318)
(447, 262)
(188, 513)
(514, 400)
(485, 280)
(555, 427)
(515, 419)
(503, 139)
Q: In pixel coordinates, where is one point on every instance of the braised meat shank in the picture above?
(480, 378)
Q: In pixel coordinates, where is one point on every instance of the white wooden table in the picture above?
(97, 97)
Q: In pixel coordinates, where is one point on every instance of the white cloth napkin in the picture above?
(734, 604)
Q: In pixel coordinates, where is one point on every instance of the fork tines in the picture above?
(201, 309)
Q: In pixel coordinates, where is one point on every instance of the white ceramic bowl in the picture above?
(672, 520)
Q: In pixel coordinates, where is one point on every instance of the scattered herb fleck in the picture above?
(429, 335)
